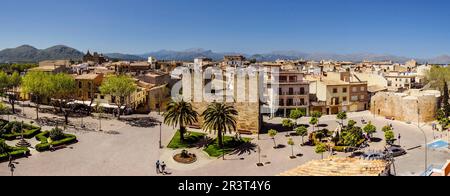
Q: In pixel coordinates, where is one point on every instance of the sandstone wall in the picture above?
(405, 107)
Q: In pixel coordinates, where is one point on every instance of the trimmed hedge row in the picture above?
(45, 146)
(28, 134)
(15, 153)
(29, 131)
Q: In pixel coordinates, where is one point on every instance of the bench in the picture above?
(55, 148)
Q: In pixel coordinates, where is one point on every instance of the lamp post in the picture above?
(160, 135)
(424, 135)
(11, 166)
(259, 164)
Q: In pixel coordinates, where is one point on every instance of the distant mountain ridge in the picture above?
(27, 53)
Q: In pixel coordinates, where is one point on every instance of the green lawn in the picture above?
(230, 145)
(189, 140)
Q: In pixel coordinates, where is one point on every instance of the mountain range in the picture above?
(28, 53)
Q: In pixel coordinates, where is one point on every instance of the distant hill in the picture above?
(186, 55)
(28, 53)
(444, 59)
(189, 55)
(125, 57)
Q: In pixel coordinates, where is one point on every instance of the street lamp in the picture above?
(160, 135)
(259, 164)
(11, 165)
(424, 135)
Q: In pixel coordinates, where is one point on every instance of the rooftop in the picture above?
(340, 167)
(87, 76)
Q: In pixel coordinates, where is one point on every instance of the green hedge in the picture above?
(15, 152)
(45, 146)
(29, 131)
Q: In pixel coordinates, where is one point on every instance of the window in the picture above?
(344, 90)
(302, 91)
(80, 84)
(302, 101)
(293, 79)
(280, 91)
(344, 99)
(291, 91)
(354, 98)
(362, 97)
(355, 89)
(102, 96)
(363, 89)
(335, 90)
(290, 102)
(281, 102)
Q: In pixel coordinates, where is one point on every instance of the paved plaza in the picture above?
(124, 150)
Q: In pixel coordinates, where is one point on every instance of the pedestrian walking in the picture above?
(163, 168)
(158, 171)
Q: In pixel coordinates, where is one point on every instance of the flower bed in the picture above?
(45, 146)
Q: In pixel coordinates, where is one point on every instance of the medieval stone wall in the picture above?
(409, 107)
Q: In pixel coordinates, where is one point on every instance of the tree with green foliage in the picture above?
(3, 83)
(291, 143)
(386, 128)
(64, 90)
(14, 81)
(370, 129)
(37, 84)
(302, 131)
(180, 113)
(351, 123)
(352, 136)
(389, 136)
(120, 87)
(287, 123)
(3, 109)
(342, 116)
(297, 114)
(220, 117)
(444, 122)
(445, 100)
(321, 148)
(272, 134)
(317, 115)
(313, 122)
(437, 77)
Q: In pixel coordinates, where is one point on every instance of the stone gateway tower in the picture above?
(238, 87)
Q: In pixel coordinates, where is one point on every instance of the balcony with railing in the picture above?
(295, 93)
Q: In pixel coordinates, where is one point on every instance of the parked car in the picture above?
(396, 151)
(373, 156)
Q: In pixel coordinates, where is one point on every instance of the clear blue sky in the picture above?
(417, 28)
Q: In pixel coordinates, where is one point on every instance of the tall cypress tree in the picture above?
(445, 99)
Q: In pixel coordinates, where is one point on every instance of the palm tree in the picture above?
(180, 113)
(221, 118)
